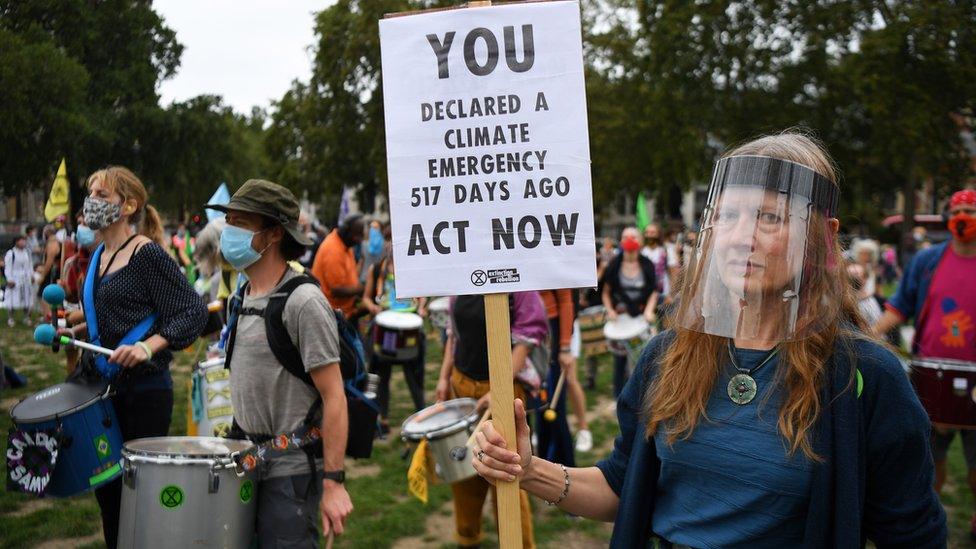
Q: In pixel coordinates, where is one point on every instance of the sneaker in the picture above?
(27, 321)
(10, 322)
(584, 441)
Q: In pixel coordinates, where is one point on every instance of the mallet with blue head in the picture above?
(45, 334)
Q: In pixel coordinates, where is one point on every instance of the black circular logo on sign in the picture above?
(479, 277)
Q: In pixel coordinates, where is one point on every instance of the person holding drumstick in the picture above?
(765, 417)
(132, 280)
(380, 295)
(939, 292)
(629, 287)
(464, 373)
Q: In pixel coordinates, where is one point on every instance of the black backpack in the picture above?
(363, 411)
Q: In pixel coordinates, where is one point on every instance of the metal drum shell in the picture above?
(218, 412)
(947, 390)
(448, 443)
(212, 511)
(80, 468)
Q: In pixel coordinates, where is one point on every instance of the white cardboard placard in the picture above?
(487, 150)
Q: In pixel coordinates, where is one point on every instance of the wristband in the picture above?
(144, 347)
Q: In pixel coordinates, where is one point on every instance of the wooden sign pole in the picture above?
(500, 378)
(503, 413)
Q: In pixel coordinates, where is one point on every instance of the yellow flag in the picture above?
(418, 473)
(57, 202)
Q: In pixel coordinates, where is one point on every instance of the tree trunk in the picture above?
(908, 216)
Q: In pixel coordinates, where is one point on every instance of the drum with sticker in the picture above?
(947, 389)
(439, 312)
(213, 412)
(397, 335)
(626, 335)
(186, 492)
(88, 437)
(446, 426)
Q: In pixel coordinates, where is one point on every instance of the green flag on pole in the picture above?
(643, 220)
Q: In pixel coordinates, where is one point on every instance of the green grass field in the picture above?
(385, 514)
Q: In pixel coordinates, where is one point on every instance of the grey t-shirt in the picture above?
(267, 399)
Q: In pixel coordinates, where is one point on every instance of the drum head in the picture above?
(399, 321)
(219, 361)
(190, 447)
(439, 418)
(439, 304)
(625, 327)
(59, 400)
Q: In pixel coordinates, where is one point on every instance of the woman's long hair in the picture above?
(121, 180)
(678, 396)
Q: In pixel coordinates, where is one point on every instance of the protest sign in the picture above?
(487, 150)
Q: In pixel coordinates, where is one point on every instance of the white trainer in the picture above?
(584, 441)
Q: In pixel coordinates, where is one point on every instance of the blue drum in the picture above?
(90, 439)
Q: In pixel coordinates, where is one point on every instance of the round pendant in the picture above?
(742, 388)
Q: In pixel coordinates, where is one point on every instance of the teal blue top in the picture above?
(732, 484)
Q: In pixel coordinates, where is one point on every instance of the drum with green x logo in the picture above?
(185, 492)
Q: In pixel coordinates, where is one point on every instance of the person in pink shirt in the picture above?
(939, 292)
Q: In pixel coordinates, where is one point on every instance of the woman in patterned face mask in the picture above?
(135, 301)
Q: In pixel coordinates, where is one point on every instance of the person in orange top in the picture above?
(335, 265)
(554, 438)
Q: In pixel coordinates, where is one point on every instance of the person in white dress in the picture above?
(18, 269)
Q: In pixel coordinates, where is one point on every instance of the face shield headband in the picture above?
(763, 268)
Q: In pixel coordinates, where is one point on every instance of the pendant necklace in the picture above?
(742, 387)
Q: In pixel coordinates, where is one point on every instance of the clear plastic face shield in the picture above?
(764, 265)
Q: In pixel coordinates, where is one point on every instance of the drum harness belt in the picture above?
(308, 437)
(108, 370)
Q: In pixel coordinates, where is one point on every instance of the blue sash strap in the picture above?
(108, 370)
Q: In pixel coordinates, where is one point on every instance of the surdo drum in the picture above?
(947, 389)
(627, 335)
(396, 335)
(439, 315)
(212, 381)
(90, 438)
(185, 492)
(446, 426)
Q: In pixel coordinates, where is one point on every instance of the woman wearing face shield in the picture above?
(764, 417)
(135, 301)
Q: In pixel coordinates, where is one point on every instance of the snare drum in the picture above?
(439, 315)
(397, 335)
(447, 427)
(91, 440)
(212, 409)
(185, 492)
(947, 389)
(627, 335)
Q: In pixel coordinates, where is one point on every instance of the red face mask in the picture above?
(963, 227)
(630, 244)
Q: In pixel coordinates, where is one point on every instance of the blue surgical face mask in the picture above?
(235, 245)
(375, 241)
(85, 236)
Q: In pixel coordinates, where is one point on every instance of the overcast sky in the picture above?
(247, 51)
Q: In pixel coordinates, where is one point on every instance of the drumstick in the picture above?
(550, 413)
(330, 540)
(45, 335)
(477, 428)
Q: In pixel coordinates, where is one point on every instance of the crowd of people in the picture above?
(767, 411)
